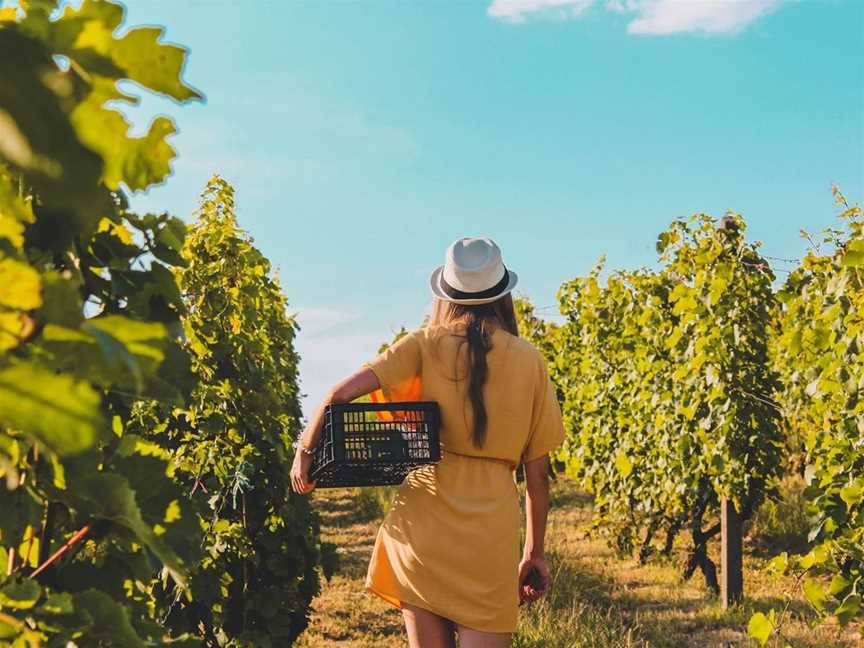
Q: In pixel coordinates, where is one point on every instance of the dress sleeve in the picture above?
(399, 363)
(547, 427)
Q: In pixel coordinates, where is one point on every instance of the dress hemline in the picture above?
(390, 598)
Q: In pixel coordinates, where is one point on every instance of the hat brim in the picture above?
(438, 291)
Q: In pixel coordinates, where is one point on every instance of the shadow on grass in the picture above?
(344, 507)
(347, 524)
(691, 621)
(569, 498)
(796, 608)
(586, 607)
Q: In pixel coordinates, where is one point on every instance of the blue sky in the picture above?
(363, 137)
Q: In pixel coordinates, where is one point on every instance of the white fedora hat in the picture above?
(473, 273)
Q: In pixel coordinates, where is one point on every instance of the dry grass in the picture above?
(344, 614)
(597, 600)
(670, 612)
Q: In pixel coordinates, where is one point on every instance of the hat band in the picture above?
(455, 293)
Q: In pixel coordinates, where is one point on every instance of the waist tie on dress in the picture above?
(506, 462)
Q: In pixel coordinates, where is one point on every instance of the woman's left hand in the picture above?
(533, 579)
(300, 473)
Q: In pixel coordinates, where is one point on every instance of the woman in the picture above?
(447, 553)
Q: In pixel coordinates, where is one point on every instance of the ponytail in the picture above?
(479, 344)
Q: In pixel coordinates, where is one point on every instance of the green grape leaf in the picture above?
(88, 34)
(818, 555)
(62, 300)
(35, 134)
(150, 349)
(169, 242)
(684, 305)
(838, 584)
(172, 233)
(138, 162)
(110, 620)
(14, 212)
(111, 351)
(116, 353)
(853, 256)
(59, 410)
(848, 609)
(623, 464)
(20, 286)
(814, 593)
(11, 330)
(760, 628)
(20, 595)
(156, 66)
(7, 630)
(108, 496)
(14, 520)
(778, 564)
(11, 230)
(142, 338)
(852, 494)
(9, 14)
(90, 354)
(58, 603)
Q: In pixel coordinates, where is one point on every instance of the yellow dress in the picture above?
(450, 541)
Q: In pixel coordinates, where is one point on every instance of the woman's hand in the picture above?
(300, 473)
(533, 579)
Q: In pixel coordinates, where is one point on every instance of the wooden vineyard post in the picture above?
(731, 550)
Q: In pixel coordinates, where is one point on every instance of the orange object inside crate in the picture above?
(408, 390)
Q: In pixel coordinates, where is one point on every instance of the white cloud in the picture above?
(661, 17)
(315, 320)
(333, 343)
(516, 11)
(327, 355)
(327, 359)
(650, 17)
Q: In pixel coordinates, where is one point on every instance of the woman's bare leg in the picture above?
(469, 638)
(426, 629)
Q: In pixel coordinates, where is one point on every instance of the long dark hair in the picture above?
(480, 321)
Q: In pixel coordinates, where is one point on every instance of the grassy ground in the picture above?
(344, 614)
(596, 599)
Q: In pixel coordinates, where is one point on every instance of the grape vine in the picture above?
(231, 443)
(89, 314)
(143, 456)
(818, 354)
(666, 389)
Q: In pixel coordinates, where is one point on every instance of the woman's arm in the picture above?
(360, 383)
(536, 510)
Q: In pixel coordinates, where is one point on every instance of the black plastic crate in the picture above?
(358, 448)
